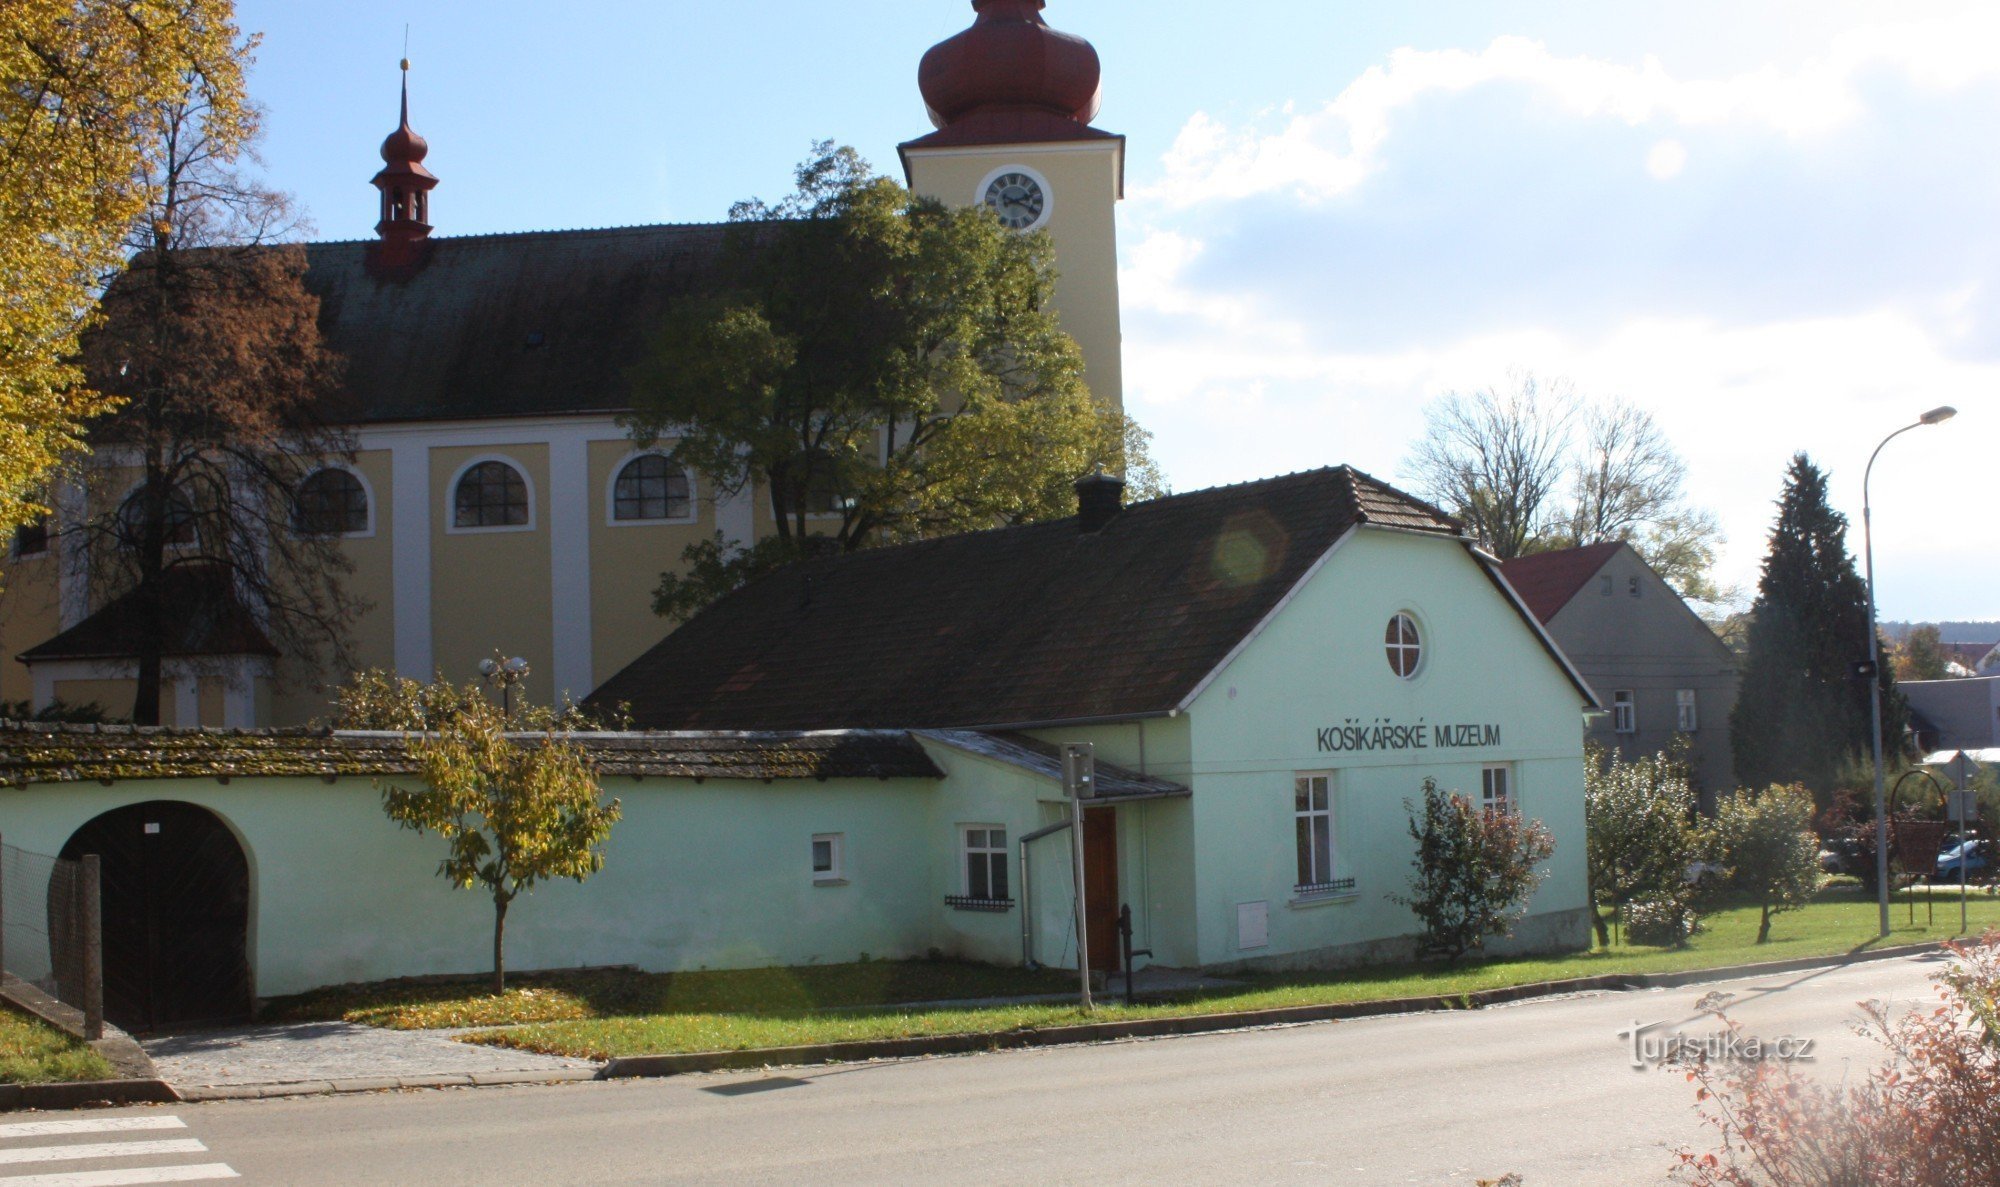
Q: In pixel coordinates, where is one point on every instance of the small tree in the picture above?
(514, 811)
(1474, 871)
(1766, 843)
(1638, 818)
(1921, 655)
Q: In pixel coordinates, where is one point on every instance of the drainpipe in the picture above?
(1027, 902)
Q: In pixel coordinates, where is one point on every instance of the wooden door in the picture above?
(1100, 887)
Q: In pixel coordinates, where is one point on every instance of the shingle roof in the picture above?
(1043, 758)
(1012, 626)
(1547, 581)
(506, 325)
(202, 614)
(40, 753)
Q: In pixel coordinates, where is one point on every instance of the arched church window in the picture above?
(651, 487)
(490, 495)
(176, 521)
(330, 502)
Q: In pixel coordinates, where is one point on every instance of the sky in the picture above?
(1773, 224)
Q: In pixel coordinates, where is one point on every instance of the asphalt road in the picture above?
(1545, 1089)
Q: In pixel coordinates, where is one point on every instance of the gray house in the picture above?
(1655, 665)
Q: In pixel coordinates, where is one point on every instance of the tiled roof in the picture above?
(1547, 581)
(506, 325)
(1012, 626)
(39, 753)
(1032, 754)
(201, 612)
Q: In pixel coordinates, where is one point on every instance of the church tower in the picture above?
(1012, 100)
(406, 187)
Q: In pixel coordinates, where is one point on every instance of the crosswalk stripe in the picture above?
(101, 1150)
(124, 1178)
(43, 1129)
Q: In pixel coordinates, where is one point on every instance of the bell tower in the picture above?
(1012, 101)
(405, 187)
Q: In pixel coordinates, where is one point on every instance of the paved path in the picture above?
(1542, 1088)
(318, 1051)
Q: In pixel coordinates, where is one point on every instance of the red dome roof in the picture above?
(404, 146)
(1010, 60)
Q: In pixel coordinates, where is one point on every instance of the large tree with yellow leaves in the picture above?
(78, 80)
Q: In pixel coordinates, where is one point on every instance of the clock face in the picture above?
(1018, 199)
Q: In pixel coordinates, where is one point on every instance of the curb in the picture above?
(384, 1084)
(86, 1092)
(636, 1066)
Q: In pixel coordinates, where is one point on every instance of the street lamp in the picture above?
(1934, 416)
(505, 673)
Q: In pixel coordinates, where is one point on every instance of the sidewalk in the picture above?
(302, 1057)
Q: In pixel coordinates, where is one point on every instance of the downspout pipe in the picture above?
(1027, 902)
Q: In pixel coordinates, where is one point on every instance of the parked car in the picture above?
(1845, 855)
(1976, 856)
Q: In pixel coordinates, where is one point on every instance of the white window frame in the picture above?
(1314, 881)
(1418, 647)
(836, 872)
(367, 492)
(990, 853)
(611, 495)
(1687, 712)
(1496, 787)
(172, 548)
(451, 527)
(1624, 712)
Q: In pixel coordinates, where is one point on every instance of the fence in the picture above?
(51, 933)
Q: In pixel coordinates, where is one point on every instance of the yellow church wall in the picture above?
(1082, 181)
(114, 695)
(626, 560)
(490, 588)
(29, 614)
(301, 696)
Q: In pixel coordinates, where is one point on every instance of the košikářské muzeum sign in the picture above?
(1384, 734)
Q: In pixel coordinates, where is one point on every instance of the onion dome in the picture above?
(404, 150)
(1010, 61)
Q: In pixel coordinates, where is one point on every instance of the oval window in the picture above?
(1405, 649)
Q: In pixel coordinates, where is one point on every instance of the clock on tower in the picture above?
(1012, 101)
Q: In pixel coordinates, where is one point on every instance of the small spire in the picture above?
(405, 187)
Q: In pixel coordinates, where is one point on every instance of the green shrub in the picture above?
(1474, 871)
(1663, 922)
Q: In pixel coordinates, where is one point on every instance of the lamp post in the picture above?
(1934, 416)
(505, 673)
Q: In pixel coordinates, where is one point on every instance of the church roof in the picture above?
(534, 324)
(203, 615)
(1015, 626)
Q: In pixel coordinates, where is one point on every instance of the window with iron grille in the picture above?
(490, 495)
(330, 502)
(985, 862)
(1312, 823)
(177, 521)
(650, 488)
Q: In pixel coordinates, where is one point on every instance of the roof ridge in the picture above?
(541, 232)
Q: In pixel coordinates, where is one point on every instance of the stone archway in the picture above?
(176, 912)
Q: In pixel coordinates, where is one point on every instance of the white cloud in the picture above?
(1666, 159)
(1324, 153)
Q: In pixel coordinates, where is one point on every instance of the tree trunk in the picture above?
(1764, 925)
(500, 903)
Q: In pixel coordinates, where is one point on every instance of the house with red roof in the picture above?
(1661, 674)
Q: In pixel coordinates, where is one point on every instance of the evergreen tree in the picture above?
(1800, 712)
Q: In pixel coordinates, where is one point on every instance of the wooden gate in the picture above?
(176, 895)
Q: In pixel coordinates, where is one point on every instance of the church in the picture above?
(854, 756)
(493, 500)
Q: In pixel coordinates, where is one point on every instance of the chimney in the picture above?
(1099, 499)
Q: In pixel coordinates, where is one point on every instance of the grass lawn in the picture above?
(33, 1052)
(1840, 921)
(408, 1005)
